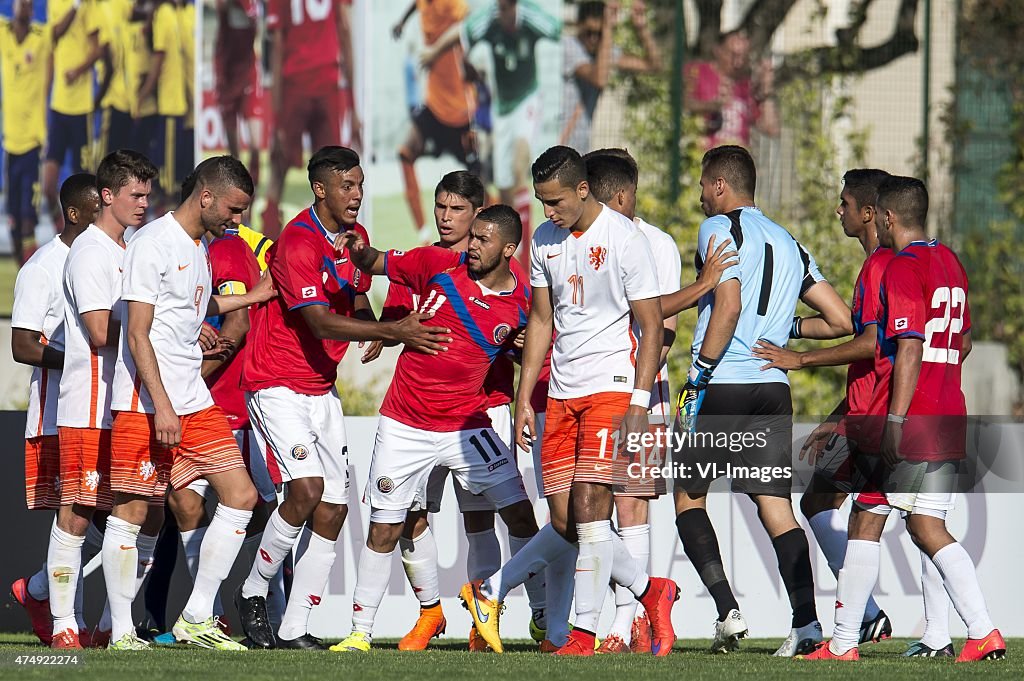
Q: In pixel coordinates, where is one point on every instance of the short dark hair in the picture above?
(608, 174)
(560, 163)
(733, 164)
(590, 9)
(506, 219)
(120, 167)
(465, 184)
(617, 152)
(219, 172)
(75, 191)
(330, 160)
(907, 197)
(863, 183)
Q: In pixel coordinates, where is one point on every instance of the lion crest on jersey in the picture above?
(299, 452)
(385, 484)
(92, 480)
(146, 470)
(501, 332)
(597, 256)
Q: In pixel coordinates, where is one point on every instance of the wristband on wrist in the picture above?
(895, 418)
(794, 330)
(640, 398)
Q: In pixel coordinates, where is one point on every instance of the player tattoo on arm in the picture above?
(166, 422)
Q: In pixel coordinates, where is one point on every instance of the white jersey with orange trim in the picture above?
(170, 270)
(592, 278)
(92, 282)
(670, 270)
(39, 307)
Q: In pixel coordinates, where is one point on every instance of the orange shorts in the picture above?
(142, 466)
(85, 467)
(579, 440)
(635, 476)
(42, 472)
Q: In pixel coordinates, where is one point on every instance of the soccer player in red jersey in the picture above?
(435, 412)
(916, 421)
(296, 342)
(832, 448)
(458, 198)
(236, 73)
(311, 51)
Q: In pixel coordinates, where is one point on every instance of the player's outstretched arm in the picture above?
(857, 348)
(834, 318)
(327, 325)
(364, 256)
(263, 291)
(722, 258)
(539, 328)
(166, 421)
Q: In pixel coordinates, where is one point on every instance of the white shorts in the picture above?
(501, 422)
(404, 457)
(522, 123)
(306, 435)
(919, 488)
(538, 420)
(254, 453)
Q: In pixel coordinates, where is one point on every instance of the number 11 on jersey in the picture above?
(576, 281)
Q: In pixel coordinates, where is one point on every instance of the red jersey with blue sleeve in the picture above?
(444, 392)
(924, 295)
(306, 271)
(860, 376)
(500, 383)
(235, 271)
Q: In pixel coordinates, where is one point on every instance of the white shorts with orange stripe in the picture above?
(141, 466)
(85, 467)
(42, 472)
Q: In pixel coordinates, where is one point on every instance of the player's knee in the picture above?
(416, 524)
(477, 521)
(187, 507)
(383, 536)
(242, 497)
(519, 519)
(305, 494)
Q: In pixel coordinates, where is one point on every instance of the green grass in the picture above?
(449, 661)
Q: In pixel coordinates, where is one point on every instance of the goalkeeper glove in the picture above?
(692, 394)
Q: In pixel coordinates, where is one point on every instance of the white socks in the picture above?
(542, 548)
(419, 558)
(484, 554)
(312, 569)
(936, 606)
(372, 577)
(560, 578)
(120, 566)
(534, 585)
(275, 594)
(278, 539)
(637, 540)
(856, 581)
(961, 581)
(93, 545)
(192, 542)
(64, 566)
(220, 547)
(830, 531)
(593, 570)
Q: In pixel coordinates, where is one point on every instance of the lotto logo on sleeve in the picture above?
(309, 291)
(900, 324)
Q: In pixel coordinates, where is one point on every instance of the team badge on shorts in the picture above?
(385, 484)
(501, 332)
(597, 256)
(92, 480)
(146, 470)
(299, 452)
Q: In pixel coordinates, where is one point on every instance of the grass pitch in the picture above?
(449, 661)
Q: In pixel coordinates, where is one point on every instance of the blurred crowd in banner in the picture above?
(79, 78)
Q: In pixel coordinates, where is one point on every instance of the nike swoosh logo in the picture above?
(655, 648)
(239, 531)
(127, 548)
(555, 255)
(476, 604)
(983, 645)
(183, 267)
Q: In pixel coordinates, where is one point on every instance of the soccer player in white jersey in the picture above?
(37, 339)
(755, 300)
(592, 272)
(613, 176)
(92, 317)
(166, 427)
